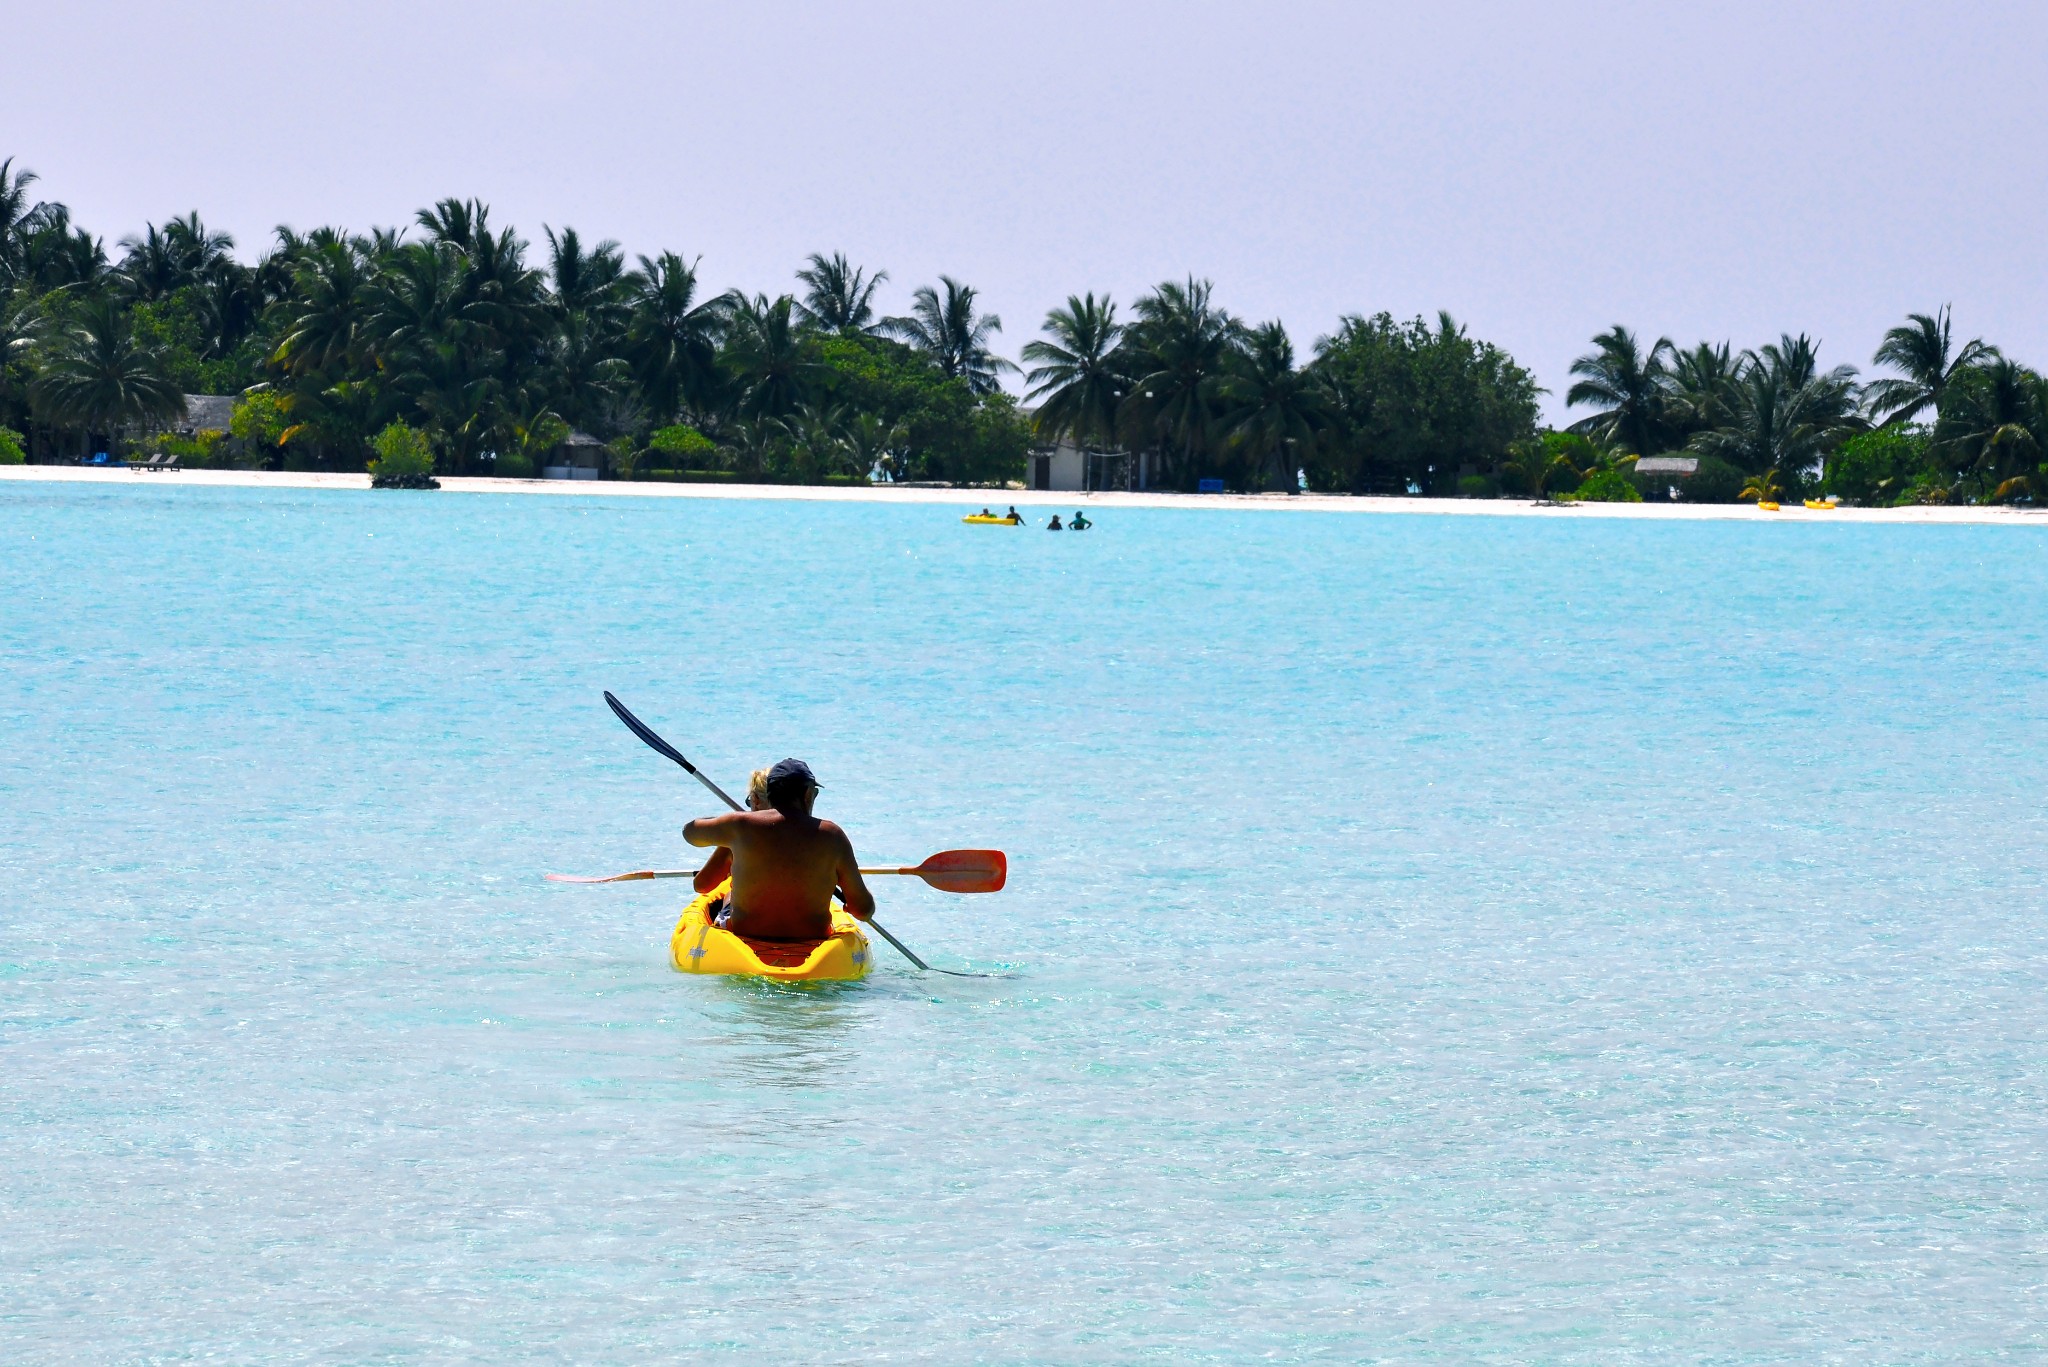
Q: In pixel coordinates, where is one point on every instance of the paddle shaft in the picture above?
(691, 873)
(662, 747)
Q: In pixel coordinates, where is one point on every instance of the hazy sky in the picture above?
(1727, 170)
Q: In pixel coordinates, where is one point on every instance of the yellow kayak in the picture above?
(1820, 507)
(700, 947)
(993, 521)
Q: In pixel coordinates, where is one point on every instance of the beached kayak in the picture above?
(700, 947)
(993, 521)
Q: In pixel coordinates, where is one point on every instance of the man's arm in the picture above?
(707, 831)
(852, 890)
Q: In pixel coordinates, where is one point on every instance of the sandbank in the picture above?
(974, 499)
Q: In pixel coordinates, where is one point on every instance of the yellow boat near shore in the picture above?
(697, 946)
(979, 520)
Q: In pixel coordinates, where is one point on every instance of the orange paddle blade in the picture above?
(960, 871)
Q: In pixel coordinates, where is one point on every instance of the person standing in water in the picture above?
(1078, 523)
(1054, 525)
(786, 863)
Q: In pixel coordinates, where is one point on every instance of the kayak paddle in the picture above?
(959, 871)
(663, 748)
(950, 871)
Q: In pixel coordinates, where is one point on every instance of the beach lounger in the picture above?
(152, 463)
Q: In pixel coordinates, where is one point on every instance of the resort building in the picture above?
(205, 413)
(580, 457)
(1064, 467)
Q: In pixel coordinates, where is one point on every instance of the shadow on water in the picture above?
(783, 1035)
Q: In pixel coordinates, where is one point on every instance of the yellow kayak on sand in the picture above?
(978, 519)
(700, 947)
(1820, 507)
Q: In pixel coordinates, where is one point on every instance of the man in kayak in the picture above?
(786, 863)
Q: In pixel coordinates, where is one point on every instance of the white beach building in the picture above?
(1064, 467)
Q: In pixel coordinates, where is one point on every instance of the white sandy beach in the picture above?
(976, 498)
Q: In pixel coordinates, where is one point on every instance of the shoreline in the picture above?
(1334, 503)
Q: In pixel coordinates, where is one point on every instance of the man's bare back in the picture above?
(786, 864)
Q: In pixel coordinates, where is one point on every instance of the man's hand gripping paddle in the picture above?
(985, 871)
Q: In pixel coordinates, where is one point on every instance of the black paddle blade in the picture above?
(640, 729)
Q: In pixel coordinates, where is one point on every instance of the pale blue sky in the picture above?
(1730, 170)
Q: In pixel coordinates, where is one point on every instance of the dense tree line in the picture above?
(449, 328)
(1952, 422)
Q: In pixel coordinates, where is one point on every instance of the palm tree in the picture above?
(766, 355)
(817, 441)
(1701, 392)
(329, 307)
(455, 221)
(1182, 348)
(1924, 353)
(838, 296)
(167, 259)
(1995, 428)
(1763, 488)
(1787, 413)
(591, 282)
(1271, 410)
(873, 444)
(194, 245)
(57, 256)
(14, 219)
(96, 377)
(672, 338)
(1536, 464)
(1630, 385)
(950, 331)
(1078, 375)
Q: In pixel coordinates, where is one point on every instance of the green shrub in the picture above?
(681, 444)
(11, 452)
(1607, 486)
(625, 457)
(1476, 486)
(1715, 481)
(513, 465)
(405, 459)
(1878, 467)
(202, 450)
(259, 419)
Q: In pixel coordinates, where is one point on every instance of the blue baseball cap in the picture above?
(789, 780)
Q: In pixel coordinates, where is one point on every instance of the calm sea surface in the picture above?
(1429, 939)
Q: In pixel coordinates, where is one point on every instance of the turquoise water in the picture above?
(1429, 939)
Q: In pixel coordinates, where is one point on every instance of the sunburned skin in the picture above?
(785, 869)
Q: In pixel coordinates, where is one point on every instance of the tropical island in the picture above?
(453, 347)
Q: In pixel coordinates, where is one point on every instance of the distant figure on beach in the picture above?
(1301, 481)
(786, 863)
(1078, 523)
(1054, 525)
